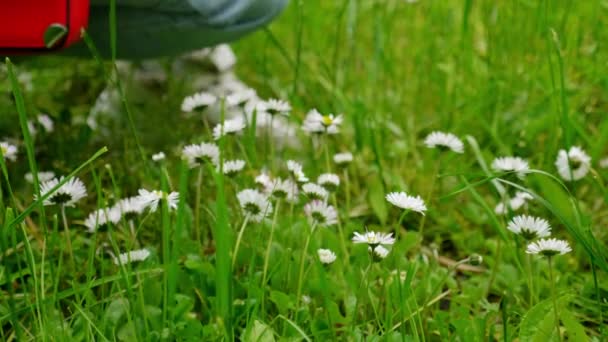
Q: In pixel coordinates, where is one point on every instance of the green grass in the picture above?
(523, 78)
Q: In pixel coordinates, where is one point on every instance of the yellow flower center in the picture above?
(327, 120)
(371, 238)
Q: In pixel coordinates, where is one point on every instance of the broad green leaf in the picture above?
(334, 313)
(194, 262)
(183, 304)
(116, 310)
(539, 323)
(281, 300)
(127, 332)
(576, 332)
(260, 332)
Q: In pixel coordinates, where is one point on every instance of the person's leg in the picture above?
(152, 28)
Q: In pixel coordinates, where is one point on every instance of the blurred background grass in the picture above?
(397, 70)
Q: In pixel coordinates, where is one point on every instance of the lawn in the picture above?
(333, 213)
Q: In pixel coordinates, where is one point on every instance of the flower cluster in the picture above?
(376, 242)
(129, 208)
(530, 228)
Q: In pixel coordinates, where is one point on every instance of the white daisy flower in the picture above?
(374, 239)
(232, 167)
(223, 57)
(67, 195)
(8, 151)
(573, 164)
(315, 191)
(326, 256)
(25, 79)
(443, 140)
(312, 127)
(196, 155)
(255, 204)
(130, 207)
(43, 121)
(264, 180)
(320, 213)
(132, 256)
(43, 176)
(329, 181)
(311, 123)
(231, 126)
(407, 202)
(101, 217)
(549, 247)
(378, 252)
(315, 122)
(274, 106)
(511, 164)
(198, 102)
(150, 199)
(284, 189)
(240, 98)
(158, 156)
(521, 198)
(295, 169)
(529, 227)
(46, 122)
(343, 158)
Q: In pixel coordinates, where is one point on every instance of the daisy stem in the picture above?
(67, 233)
(401, 218)
(346, 191)
(302, 261)
(244, 152)
(267, 254)
(207, 128)
(437, 288)
(238, 239)
(270, 143)
(434, 180)
(166, 175)
(364, 280)
(340, 228)
(495, 267)
(597, 294)
(530, 279)
(326, 148)
(133, 233)
(553, 297)
(197, 203)
(430, 195)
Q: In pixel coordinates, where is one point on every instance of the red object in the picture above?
(24, 24)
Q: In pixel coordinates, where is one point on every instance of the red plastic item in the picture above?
(24, 23)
